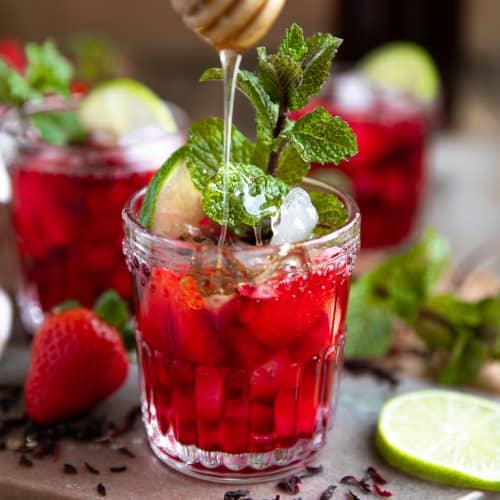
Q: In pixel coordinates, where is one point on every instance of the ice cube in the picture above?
(295, 220)
(353, 92)
(149, 145)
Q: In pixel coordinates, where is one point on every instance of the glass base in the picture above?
(233, 468)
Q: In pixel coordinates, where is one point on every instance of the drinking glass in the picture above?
(66, 208)
(240, 362)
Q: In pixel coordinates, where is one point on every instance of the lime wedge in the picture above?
(445, 436)
(405, 66)
(119, 106)
(171, 201)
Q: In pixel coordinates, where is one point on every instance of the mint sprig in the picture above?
(401, 289)
(47, 73)
(284, 150)
(399, 286)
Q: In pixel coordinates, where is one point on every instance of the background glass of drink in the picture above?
(66, 210)
(388, 174)
(240, 384)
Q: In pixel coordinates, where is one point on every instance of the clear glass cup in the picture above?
(66, 206)
(388, 175)
(240, 367)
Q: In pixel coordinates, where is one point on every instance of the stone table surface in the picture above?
(349, 451)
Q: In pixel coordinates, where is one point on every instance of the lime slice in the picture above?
(405, 66)
(119, 106)
(171, 201)
(445, 436)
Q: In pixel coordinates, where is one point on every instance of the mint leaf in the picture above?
(112, 309)
(47, 70)
(331, 212)
(260, 155)
(252, 195)
(97, 59)
(59, 128)
(369, 327)
(14, 90)
(321, 138)
(205, 150)
(291, 167)
(321, 49)
(279, 75)
(403, 282)
(249, 85)
(465, 361)
(489, 331)
(293, 44)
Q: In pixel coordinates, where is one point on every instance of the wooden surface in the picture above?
(349, 451)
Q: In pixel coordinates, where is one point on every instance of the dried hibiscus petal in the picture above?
(328, 493)
(69, 469)
(360, 483)
(235, 494)
(381, 492)
(290, 485)
(375, 475)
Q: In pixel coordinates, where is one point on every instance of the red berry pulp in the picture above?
(388, 173)
(250, 372)
(66, 211)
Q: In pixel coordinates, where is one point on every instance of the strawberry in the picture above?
(77, 360)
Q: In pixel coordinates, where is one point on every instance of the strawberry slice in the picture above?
(294, 308)
(77, 361)
(174, 320)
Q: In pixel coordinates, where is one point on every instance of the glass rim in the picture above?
(348, 232)
(420, 108)
(32, 141)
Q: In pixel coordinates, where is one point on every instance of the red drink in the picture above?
(66, 210)
(241, 383)
(387, 176)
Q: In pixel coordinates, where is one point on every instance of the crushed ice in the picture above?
(295, 220)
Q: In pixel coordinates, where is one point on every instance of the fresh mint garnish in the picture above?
(252, 195)
(266, 111)
(369, 332)
(14, 89)
(399, 286)
(401, 289)
(284, 150)
(205, 150)
(59, 128)
(320, 138)
(96, 59)
(47, 72)
(331, 212)
(291, 167)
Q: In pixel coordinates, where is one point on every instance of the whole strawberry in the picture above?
(77, 360)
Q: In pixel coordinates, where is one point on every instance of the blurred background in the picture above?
(462, 200)
(462, 35)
